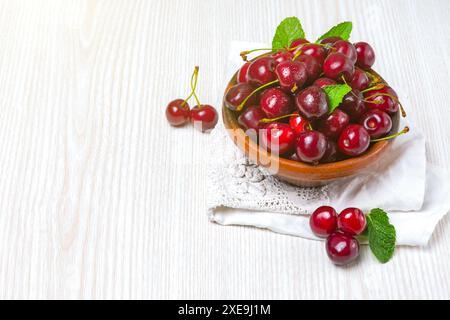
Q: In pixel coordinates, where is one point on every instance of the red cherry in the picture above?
(312, 102)
(352, 221)
(298, 123)
(331, 153)
(313, 67)
(237, 94)
(314, 50)
(242, 73)
(297, 44)
(377, 123)
(323, 221)
(365, 54)
(384, 99)
(311, 146)
(333, 125)
(278, 138)
(360, 80)
(346, 48)
(251, 117)
(177, 112)
(282, 56)
(354, 140)
(261, 71)
(204, 117)
(337, 65)
(342, 248)
(353, 104)
(291, 74)
(322, 82)
(275, 102)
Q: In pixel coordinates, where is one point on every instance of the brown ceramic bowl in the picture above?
(300, 173)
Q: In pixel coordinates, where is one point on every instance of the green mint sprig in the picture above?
(336, 93)
(343, 30)
(288, 30)
(381, 235)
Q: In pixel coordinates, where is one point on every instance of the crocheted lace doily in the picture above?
(235, 182)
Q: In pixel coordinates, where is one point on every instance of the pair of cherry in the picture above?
(340, 230)
(203, 116)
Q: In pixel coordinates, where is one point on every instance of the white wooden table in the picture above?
(100, 198)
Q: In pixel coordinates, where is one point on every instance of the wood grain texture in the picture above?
(100, 198)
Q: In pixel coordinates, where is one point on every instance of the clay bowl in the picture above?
(299, 173)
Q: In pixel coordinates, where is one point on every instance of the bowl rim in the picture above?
(229, 119)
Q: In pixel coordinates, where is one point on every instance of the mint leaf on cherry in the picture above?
(336, 93)
(343, 30)
(381, 234)
(288, 30)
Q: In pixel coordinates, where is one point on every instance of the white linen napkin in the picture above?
(415, 195)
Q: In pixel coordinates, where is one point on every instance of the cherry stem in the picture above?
(244, 54)
(402, 110)
(192, 91)
(269, 120)
(405, 130)
(194, 80)
(297, 54)
(241, 106)
(375, 87)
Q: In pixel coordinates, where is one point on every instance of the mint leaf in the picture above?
(336, 93)
(343, 30)
(381, 235)
(288, 30)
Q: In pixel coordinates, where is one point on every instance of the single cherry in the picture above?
(237, 94)
(377, 123)
(178, 112)
(365, 55)
(291, 74)
(351, 221)
(384, 99)
(261, 71)
(337, 65)
(242, 73)
(322, 82)
(282, 56)
(354, 140)
(204, 117)
(278, 138)
(342, 248)
(331, 153)
(360, 80)
(333, 125)
(275, 102)
(313, 67)
(323, 221)
(314, 50)
(297, 44)
(299, 123)
(311, 146)
(346, 48)
(353, 104)
(312, 102)
(251, 117)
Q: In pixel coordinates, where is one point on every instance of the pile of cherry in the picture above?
(283, 93)
(340, 230)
